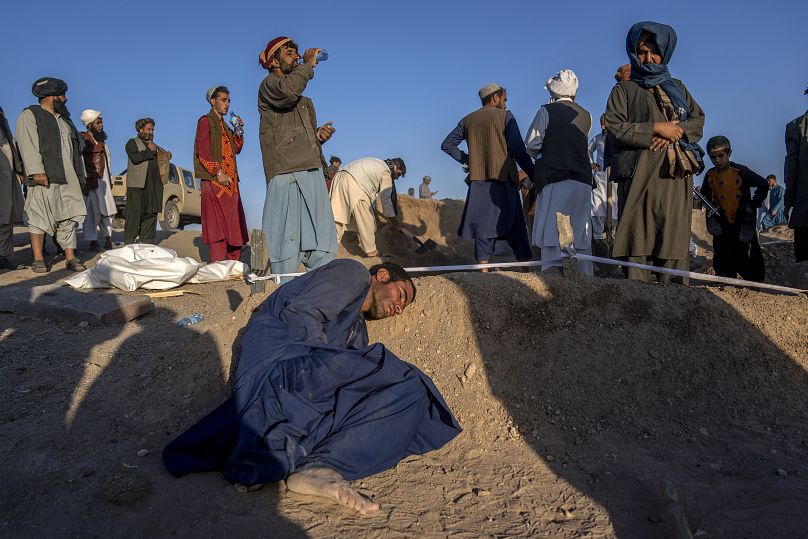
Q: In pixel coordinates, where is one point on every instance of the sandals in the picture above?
(38, 266)
(75, 265)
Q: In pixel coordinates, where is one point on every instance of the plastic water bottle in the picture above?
(237, 128)
(190, 320)
(322, 56)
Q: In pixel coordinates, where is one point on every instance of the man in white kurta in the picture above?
(559, 192)
(54, 206)
(11, 202)
(353, 197)
(600, 194)
(98, 189)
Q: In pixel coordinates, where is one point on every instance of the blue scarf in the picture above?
(650, 75)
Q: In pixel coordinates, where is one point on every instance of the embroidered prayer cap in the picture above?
(562, 84)
(48, 86)
(489, 89)
(89, 116)
(209, 93)
(265, 58)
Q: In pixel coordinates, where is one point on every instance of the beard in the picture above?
(144, 137)
(99, 136)
(287, 68)
(60, 108)
(376, 311)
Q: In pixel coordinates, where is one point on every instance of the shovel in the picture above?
(423, 246)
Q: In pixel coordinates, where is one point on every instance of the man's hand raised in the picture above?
(310, 57)
(324, 133)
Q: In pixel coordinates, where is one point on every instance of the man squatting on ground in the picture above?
(313, 403)
(493, 209)
(353, 198)
(51, 153)
(144, 186)
(796, 179)
(98, 188)
(653, 125)
(298, 222)
(557, 139)
(11, 201)
(772, 212)
(736, 250)
(224, 227)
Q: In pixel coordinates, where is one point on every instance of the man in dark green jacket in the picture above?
(298, 222)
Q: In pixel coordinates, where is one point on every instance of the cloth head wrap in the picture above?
(265, 58)
(489, 89)
(48, 86)
(562, 84)
(650, 75)
(142, 122)
(89, 116)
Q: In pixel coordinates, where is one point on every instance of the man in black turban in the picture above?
(51, 152)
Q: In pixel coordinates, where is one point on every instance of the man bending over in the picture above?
(313, 403)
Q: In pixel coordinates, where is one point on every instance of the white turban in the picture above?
(562, 84)
(89, 116)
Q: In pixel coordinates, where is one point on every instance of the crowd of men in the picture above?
(313, 403)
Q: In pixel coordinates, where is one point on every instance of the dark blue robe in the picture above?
(310, 392)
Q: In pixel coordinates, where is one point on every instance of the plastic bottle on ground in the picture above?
(190, 320)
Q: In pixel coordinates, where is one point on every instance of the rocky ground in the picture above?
(577, 397)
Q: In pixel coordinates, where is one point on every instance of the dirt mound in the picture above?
(577, 396)
(586, 393)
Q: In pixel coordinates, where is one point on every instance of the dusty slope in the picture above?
(586, 394)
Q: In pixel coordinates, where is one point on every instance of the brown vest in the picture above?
(215, 123)
(488, 150)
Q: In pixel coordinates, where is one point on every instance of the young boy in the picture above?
(736, 250)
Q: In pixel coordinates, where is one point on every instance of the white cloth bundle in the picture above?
(153, 268)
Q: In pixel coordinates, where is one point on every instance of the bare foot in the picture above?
(329, 484)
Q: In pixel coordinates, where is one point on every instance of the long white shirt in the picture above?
(66, 200)
(373, 176)
(599, 194)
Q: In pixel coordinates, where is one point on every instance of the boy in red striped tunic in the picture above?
(224, 227)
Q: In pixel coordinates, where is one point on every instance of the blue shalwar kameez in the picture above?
(310, 392)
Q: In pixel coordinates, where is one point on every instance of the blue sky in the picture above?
(400, 75)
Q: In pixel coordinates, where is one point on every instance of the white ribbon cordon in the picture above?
(276, 277)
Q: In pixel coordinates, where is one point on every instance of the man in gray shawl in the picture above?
(11, 202)
(51, 153)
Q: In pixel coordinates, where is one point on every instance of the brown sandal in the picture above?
(75, 265)
(38, 266)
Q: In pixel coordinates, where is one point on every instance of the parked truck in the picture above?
(182, 198)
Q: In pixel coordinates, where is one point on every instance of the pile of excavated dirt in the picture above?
(577, 397)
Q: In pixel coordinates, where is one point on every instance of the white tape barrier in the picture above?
(251, 278)
(693, 275)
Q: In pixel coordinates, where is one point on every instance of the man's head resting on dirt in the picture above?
(391, 290)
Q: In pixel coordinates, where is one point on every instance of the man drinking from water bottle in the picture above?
(224, 227)
(298, 222)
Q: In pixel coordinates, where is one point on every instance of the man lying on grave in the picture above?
(312, 402)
